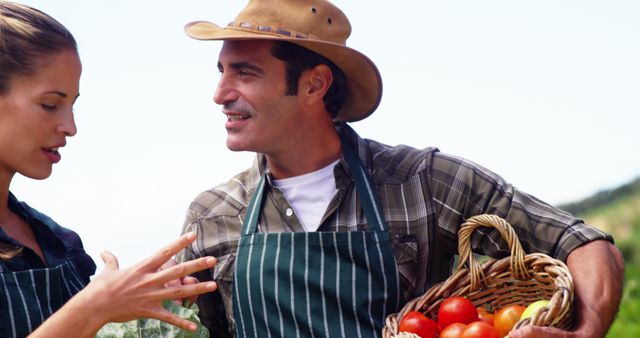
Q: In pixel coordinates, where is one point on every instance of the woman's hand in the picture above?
(178, 282)
(119, 295)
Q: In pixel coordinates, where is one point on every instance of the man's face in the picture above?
(252, 91)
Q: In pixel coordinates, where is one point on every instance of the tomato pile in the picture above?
(459, 318)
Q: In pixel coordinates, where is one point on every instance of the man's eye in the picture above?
(48, 106)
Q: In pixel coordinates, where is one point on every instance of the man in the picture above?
(327, 233)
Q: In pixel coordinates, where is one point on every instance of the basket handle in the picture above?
(516, 262)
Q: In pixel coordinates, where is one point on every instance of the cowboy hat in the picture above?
(316, 25)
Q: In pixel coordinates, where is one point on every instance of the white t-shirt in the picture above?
(310, 194)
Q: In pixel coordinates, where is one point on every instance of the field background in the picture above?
(617, 211)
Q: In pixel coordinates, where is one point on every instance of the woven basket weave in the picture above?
(518, 279)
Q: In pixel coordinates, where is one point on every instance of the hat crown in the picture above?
(316, 19)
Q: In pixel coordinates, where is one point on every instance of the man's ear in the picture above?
(317, 82)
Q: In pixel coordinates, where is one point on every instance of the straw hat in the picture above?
(316, 25)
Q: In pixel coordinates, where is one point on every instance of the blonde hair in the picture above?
(28, 35)
(8, 251)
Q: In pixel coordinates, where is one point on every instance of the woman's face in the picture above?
(36, 116)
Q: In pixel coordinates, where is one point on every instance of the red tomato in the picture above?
(416, 322)
(456, 310)
(453, 331)
(480, 329)
(485, 316)
(506, 318)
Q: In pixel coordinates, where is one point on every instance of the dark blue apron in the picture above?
(316, 284)
(29, 297)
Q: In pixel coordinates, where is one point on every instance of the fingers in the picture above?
(166, 265)
(172, 284)
(173, 319)
(185, 291)
(177, 281)
(171, 262)
(538, 331)
(186, 268)
(190, 281)
(110, 261)
(162, 256)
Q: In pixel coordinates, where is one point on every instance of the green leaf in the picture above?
(153, 328)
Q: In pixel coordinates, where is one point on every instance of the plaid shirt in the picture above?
(425, 195)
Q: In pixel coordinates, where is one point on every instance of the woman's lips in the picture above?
(52, 154)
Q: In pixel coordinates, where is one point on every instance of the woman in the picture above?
(43, 265)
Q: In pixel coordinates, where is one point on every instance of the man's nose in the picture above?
(225, 92)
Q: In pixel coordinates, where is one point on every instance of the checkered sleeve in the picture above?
(187, 253)
(462, 189)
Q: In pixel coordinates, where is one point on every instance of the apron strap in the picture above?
(364, 186)
(255, 206)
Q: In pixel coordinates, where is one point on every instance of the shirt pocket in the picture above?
(223, 274)
(405, 248)
(224, 269)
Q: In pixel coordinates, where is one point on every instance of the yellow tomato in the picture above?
(533, 308)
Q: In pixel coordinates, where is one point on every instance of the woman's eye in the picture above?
(48, 106)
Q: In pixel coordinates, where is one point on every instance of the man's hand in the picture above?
(540, 331)
(597, 269)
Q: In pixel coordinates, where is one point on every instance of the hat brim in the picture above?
(364, 83)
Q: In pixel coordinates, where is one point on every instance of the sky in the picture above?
(545, 93)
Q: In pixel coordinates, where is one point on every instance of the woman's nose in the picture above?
(68, 125)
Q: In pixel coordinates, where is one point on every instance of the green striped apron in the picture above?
(29, 297)
(316, 284)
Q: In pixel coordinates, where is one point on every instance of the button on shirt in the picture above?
(425, 195)
(309, 207)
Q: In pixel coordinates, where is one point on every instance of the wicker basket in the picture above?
(517, 279)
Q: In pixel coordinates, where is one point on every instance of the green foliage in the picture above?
(626, 323)
(603, 198)
(617, 211)
(153, 328)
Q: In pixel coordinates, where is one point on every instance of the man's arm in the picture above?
(466, 189)
(597, 269)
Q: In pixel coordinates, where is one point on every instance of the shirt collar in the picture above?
(16, 207)
(341, 170)
(43, 226)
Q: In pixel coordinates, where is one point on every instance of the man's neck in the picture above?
(306, 157)
(280, 169)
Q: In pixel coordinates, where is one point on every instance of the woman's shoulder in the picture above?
(44, 225)
(37, 218)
